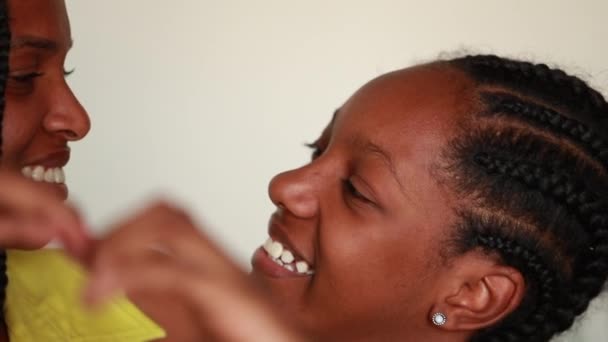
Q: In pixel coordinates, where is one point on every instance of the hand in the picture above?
(30, 217)
(160, 251)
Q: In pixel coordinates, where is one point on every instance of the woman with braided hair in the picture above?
(460, 200)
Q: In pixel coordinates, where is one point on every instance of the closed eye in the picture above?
(23, 78)
(351, 189)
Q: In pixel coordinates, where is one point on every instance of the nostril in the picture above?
(70, 134)
(280, 209)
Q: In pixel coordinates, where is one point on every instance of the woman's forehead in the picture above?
(418, 105)
(45, 19)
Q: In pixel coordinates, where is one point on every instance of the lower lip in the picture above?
(263, 264)
(58, 189)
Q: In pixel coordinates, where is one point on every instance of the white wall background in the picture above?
(207, 100)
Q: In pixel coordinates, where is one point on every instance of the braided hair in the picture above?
(5, 41)
(531, 168)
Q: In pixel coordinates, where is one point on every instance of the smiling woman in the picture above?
(48, 115)
(40, 117)
(495, 221)
(460, 200)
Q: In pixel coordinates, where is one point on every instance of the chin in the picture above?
(289, 295)
(289, 291)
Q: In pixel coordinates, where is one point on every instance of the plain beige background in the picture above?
(206, 100)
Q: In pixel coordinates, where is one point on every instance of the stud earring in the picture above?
(439, 319)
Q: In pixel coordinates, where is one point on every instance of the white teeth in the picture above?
(59, 175)
(302, 267)
(267, 244)
(273, 248)
(287, 257)
(38, 174)
(276, 249)
(49, 176)
(27, 171)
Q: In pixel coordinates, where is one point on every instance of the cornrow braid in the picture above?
(586, 204)
(542, 117)
(538, 187)
(553, 184)
(545, 280)
(489, 234)
(538, 80)
(5, 41)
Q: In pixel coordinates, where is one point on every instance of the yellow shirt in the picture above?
(43, 304)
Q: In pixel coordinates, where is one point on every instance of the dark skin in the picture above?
(372, 231)
(374, 242)
(42, 116)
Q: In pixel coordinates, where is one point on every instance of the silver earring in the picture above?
(439, 319)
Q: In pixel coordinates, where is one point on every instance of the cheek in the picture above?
(373, 273)
(19, 127)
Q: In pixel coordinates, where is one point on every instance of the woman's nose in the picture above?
(66, 116)
(294, 191)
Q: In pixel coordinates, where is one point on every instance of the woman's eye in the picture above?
(350, 188)
(25, 77)
(22, 83)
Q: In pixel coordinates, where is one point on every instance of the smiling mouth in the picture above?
(282, 256)
(39, 173)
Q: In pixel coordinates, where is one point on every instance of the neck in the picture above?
(412, 334)
(446, 336)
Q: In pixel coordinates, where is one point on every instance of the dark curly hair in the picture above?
(531, 167)
(5, 41)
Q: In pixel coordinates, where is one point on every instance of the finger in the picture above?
(75, 237)
(159, 226)
(33, 233)
(219, 305)
(21, 198)
(181, 246)
(24, 233)
(19, 193)
(104, 284)
(207, 297)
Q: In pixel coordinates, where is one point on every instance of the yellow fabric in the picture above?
(43, 304)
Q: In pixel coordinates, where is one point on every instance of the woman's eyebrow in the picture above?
(36, 43)
(368, 146)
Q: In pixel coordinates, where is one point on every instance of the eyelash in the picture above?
(317, 151)
(33, 75)
(350, 188)
(347, 184)
(27, 77)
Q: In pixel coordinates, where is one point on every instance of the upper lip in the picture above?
(278, 233)
(57, 158)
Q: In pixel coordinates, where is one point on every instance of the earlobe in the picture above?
(482, 302)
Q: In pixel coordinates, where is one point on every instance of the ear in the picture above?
(482, 293)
